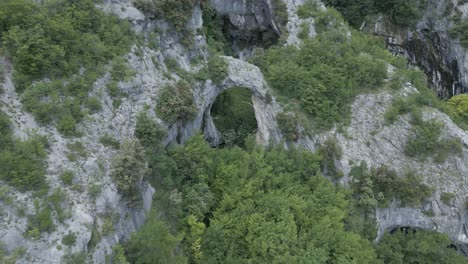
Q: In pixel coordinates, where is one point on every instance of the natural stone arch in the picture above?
(240, 74)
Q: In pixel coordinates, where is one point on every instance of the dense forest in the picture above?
(238, 202)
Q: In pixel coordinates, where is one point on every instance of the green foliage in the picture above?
(94, 190)
(447, 197)
(323, 76)
(403, 13)
(109, 141)
(57, 201)
(331, 152)
(417, 246)
(379, 186)
(69, 240)
(460, 31)
(263, 205)
(76, 150)
(118, 255)
(288, 123)
(149, 133)
(67, 177)
(234, 116)
(128, 171)
(153, 243)
(94, 104)
(213, 25)
(176, 103)
(280, 10)
(217, 69)
(425, 142)
(67, 43)
(459, 108)
(75, 258)
(12, 257)
(22, 163)
(178, 12)
(41, 221)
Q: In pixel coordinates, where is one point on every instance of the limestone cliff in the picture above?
(365, 139)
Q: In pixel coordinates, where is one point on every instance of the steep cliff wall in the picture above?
(367, 138)
(430, 46)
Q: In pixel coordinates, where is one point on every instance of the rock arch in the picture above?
(240, 74)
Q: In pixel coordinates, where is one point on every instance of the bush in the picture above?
(128, 170)
(176, 103)
(67, 177)
(459, 107)
(70, 239)
(417, 246)
(217, 69)
(94, 104)
(331, 151)
(41, 220)
(288, 123)
(149, 133)
(178, 12)
(378, 186)
(23, 164)
(424, 142)
(75, 258)
(64, 42)
(447, 197)
(403, 13)
(109, 141)
(324, 75)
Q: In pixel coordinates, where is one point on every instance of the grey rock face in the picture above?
(366, 138)
(250, 22)
(431, 47)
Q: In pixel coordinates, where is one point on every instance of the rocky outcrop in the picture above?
(430, 46)
(240, 74)
(250, 23)
(367, 138)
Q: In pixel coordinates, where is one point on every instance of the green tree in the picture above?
(128, 170)
(153, 244)
(176, 103)
(418, 246)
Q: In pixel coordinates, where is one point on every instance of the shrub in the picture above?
(424, 142)
(67, 125)
(75, 258)
(459, 107)
(324, 75)
(217, 69)
(383, 184)
(94, 104)
(149, 133)
(447, 197)
(176, 103)
(94, 190)
(69, 240)
(331, 151)
(41, 220)
(128, 170)
(23, 164)
(178, 12)
(109, 141)
(288, 123)
(64, 42)
(281, 12)
(67, 177)
(118, 255)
